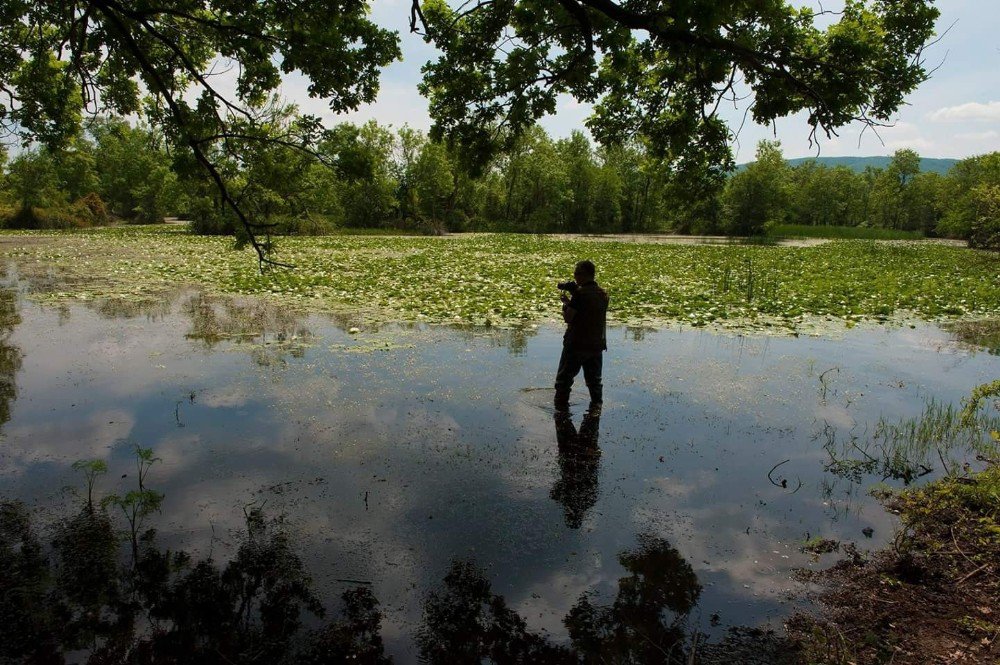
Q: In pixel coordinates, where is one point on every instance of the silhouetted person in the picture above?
(585, 341)
(579, 460)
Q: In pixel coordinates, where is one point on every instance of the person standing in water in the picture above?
(585, 308)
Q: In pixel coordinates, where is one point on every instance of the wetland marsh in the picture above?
(409, 457)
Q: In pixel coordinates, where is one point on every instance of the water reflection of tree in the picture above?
(646, 623)
(272, 331)
(84, 595)
(217, 319)
(579, 462)
(81, 595)
(10, 355)
(637, 333)
(515, 340)
(126, 308)
(984, 334)
(465, 622)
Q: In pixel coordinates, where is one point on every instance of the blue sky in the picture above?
(954, 114)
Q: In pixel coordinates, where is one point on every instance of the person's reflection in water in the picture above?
(579, 461)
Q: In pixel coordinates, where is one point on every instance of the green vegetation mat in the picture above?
(510, 279)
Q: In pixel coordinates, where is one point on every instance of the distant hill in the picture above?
(859, 164)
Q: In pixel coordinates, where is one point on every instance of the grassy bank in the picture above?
(510, 279)
(932, 598)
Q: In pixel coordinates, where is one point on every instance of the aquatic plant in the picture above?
(138, 504)
(508, 280)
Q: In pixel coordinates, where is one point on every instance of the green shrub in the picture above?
(92, 209)
(309, 224)
(7, 212)
(46, 218)
(85, 212)
(209, 219)
(985, 231)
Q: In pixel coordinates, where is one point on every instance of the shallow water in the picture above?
(393, 452)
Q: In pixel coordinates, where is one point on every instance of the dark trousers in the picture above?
(570, 363)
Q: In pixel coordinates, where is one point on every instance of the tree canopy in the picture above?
(61, 58)
(655, 70)
(661, 69)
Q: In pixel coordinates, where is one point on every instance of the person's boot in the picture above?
(561, 401)
(596, 398)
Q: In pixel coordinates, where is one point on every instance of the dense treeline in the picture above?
(961, 204)
(370, 176)
(117, 172)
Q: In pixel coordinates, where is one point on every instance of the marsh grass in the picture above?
(509, 280)
(940, 431)
(944, 436)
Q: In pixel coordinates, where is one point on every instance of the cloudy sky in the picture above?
(955, 114)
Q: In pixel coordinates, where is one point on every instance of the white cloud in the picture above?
(906, 135)
(988, 112)
(991, 135)
(920, 145)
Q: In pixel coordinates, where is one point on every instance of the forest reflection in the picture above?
(10, 355)
(83, 592)
(214, 320)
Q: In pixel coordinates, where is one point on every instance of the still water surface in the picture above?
(394, 452)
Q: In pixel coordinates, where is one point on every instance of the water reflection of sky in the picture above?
(394, 451)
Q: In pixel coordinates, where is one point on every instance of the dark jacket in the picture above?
(586, 330)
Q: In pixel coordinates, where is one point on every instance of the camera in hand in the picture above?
(569, 286)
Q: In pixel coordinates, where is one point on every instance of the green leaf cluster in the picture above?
(660, 70)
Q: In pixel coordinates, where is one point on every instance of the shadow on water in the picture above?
(85, 594)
